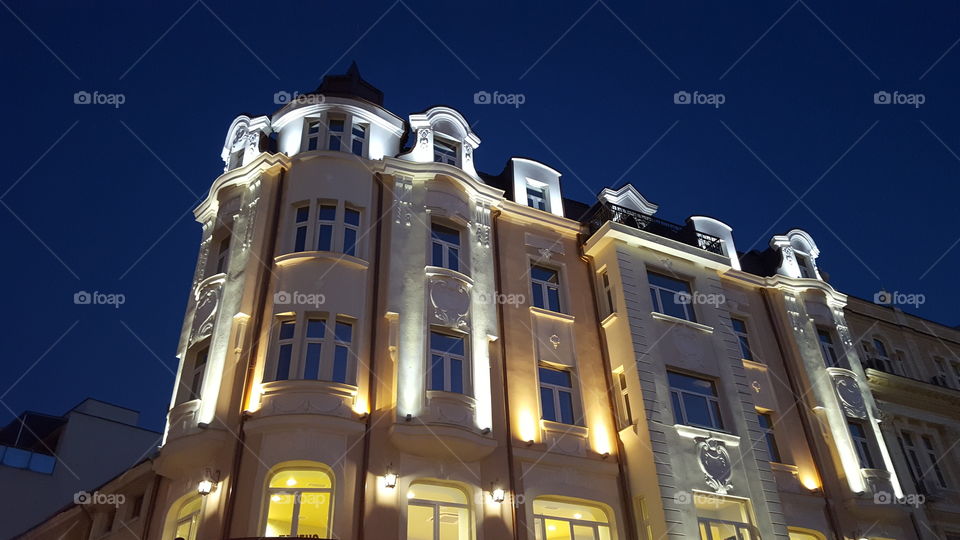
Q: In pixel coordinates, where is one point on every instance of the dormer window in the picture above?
(358, 139)
(806, 265)
(537, 197)
(445, 151)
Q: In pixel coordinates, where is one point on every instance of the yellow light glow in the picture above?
(551, 528)
(578, 515)
(291, 481)
(601, 438)
(527, 426)
(809, 482)
(410, 494)
(275, 498)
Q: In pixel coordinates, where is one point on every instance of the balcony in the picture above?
(687, 234)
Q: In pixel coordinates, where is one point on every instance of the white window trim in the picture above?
(546, 286)
(555, 390)
(297, 493)
(689, 313)
(313, 226)
(447, 246)
(711, 411)
(436, 507)
(447, 358)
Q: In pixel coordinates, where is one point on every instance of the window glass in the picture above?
(671, 296)
(694, 401)
(299, 504)
(555, 519)
(437, 512)
(556, 395)
(545, 283)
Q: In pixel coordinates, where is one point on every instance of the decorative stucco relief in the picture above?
(851, 398)
(715, 462)
(450, 302)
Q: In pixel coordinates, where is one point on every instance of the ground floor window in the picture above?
(437, 512)
(299, 503)
(188, 519)
(569, 520)
(797, 533)
(724, 518)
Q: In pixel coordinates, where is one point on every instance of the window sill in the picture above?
(338, 258)
(785, 467)
(753, 364)
(676, 320)
(554, 314)
(609, 320)
(692, 432)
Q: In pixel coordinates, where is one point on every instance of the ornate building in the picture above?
(382, 342)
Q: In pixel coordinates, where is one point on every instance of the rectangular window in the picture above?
(313, 134)
(137, 507)
(556, 395)
(546, 288)
(445, 247)
(343, 337)
(933, 457)
(942, 376)
(910, 452)
(444, 151)
(806, 265)
(335, 128)
(284, 349)
(861, 444)
(724, 518)
(607, 289)
(766, 426)
(537, 197)
(326, 221)
(199, 367)
(740, 329)
(881, 360)
(351, 228)
(359, 138)
(302, 224)
(313, 349)
(625, 400)
(447, 363)
(695, 401)
(671, 296)
(223, 251)
(827, 349)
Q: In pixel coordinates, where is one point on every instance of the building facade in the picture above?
(383, 342)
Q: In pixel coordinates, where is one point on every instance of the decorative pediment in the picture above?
(628, 197)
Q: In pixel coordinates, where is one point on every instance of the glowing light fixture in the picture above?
(390, 479)
(291, 481)
(498, 495)
(209, 482)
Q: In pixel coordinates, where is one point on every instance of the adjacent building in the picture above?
(383, 342)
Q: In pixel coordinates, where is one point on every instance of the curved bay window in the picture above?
(437, 512)
(188, 519)
(566, 520)
(299, 503)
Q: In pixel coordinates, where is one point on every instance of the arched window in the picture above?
(299, 503)
(436, 511)
(569, 520)
(188, 519)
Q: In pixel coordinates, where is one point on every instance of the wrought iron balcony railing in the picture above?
(687, 234)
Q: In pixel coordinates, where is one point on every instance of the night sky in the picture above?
(98, 198)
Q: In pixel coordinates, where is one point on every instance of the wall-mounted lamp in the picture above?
(209, 483)
(605, 455)
(390, 479)
(498, 495)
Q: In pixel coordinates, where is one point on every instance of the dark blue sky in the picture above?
(106, 207)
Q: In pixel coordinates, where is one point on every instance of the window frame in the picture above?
(626, 413)
(656, 298)
(279, 342)
(540, 520)
(607, 291)
(555, 391)
(308, 232)
(223, 253)
(312, 138)
(715, 412)
(451, 155)
(446, 247)
(743, 338)
(198, 371)
(930, 448)
(297, 493)
(541, 195)
(335, 135)
(862, 444)
(437, 506)
(447, 358)
(770, 435)
(545, 287)
(362, 138)
(828, 347)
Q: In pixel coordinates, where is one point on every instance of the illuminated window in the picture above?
(445, 151)
(445, 247)
(199, 367)
(188, 519)
(671, 296)
(537, 197)
(805, 534)
(299, 504)
(358, 138)
(223, 251)
(695, 401)
(437, 512)
(448, 363)
(556, 395)
(313, 134)
(829, 352)
(546, 288)
(568, 520)
(766, 426)
(335, 130)
(740, 330)
(723, 518)
(861, 444)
